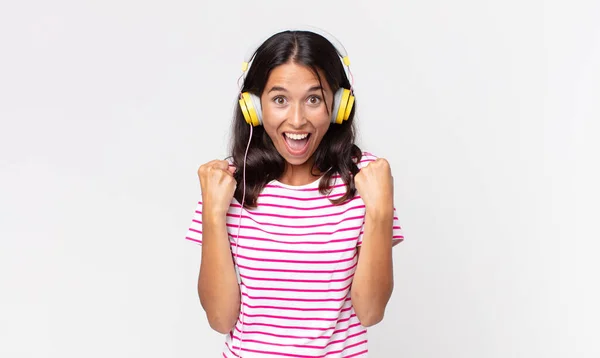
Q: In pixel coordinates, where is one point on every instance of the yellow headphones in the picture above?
(343, 99)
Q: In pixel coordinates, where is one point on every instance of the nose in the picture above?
(297, 116)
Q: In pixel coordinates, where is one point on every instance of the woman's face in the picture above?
(294, 112)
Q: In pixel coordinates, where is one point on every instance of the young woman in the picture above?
(297, 227)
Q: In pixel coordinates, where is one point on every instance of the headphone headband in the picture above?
(341, 50)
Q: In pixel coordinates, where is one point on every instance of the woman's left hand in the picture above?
(375, 185)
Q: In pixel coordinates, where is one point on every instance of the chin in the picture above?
(295, 160)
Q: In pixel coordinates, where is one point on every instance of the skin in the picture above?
(293, 102)
(217, 282)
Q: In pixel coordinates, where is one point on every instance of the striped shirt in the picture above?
(296, 257)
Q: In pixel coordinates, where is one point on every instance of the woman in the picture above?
(297, 228)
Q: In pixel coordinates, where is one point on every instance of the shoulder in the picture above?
(366, 158)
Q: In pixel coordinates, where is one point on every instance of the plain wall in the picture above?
(487, 111)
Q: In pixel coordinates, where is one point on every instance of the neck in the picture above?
(300, 174)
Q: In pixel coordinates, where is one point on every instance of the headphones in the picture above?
(343, 99)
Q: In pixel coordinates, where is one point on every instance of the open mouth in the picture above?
(297, 143)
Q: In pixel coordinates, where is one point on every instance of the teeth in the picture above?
(295, 136)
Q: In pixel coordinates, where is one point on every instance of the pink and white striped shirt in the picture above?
(297, 257)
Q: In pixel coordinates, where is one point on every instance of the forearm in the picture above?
(217, 283)
(373, 279)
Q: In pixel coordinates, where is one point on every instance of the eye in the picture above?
(279, 100)
(314, 99)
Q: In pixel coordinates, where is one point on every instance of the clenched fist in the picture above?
(375, 185)
(217, 185)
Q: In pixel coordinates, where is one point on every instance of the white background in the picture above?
(487, 110)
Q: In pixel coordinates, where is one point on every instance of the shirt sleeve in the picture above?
(397, 231)
(194, 231)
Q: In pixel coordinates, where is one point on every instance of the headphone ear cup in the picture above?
(258, 108)
(343, 102)
(337, 98)
(244, 108)
(349, 107)
(251, 108)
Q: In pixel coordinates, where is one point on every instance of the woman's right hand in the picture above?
(218, 186)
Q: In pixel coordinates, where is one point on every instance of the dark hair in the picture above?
(337, 152)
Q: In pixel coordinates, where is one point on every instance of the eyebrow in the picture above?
(282, 89)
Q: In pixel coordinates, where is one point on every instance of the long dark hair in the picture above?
(336, 154)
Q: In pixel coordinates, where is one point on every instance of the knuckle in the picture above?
(383, 163)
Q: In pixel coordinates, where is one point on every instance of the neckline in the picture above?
(313, 184)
